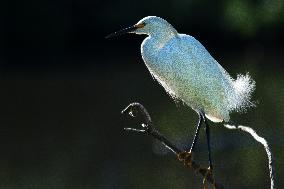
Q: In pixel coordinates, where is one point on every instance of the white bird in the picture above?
(187, 71)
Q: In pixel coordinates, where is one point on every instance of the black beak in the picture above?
(121, 32)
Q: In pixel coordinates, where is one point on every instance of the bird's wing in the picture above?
(237, 92)
(201, 78)
(197, 53)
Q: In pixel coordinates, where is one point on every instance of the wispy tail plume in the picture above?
(244, 85)
(240, 97)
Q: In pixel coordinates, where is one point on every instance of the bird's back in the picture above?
(188, 72)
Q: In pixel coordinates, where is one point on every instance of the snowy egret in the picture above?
(187, 71)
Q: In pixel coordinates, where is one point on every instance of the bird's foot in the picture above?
(208, 176)
(186, 157)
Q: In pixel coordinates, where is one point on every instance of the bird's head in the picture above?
(150, 25)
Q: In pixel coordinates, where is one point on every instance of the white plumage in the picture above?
(187, 71)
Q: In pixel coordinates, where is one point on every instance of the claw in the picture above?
(208, 175)
(186, 158)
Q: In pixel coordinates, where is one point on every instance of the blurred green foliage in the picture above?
(249, 17)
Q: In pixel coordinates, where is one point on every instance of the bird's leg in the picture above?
(209, 173)
(207, 129)
(196, 133)
(186, 156)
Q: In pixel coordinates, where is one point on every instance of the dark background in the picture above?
(63, 85)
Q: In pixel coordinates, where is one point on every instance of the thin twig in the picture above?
(263, 142)
(138, 110)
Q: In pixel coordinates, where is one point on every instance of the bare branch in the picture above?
(262, 141)
(138, 110)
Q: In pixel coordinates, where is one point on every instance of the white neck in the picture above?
(163, 36)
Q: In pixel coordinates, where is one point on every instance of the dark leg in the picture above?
(196, 133)
(208, 142)
(186, 156)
